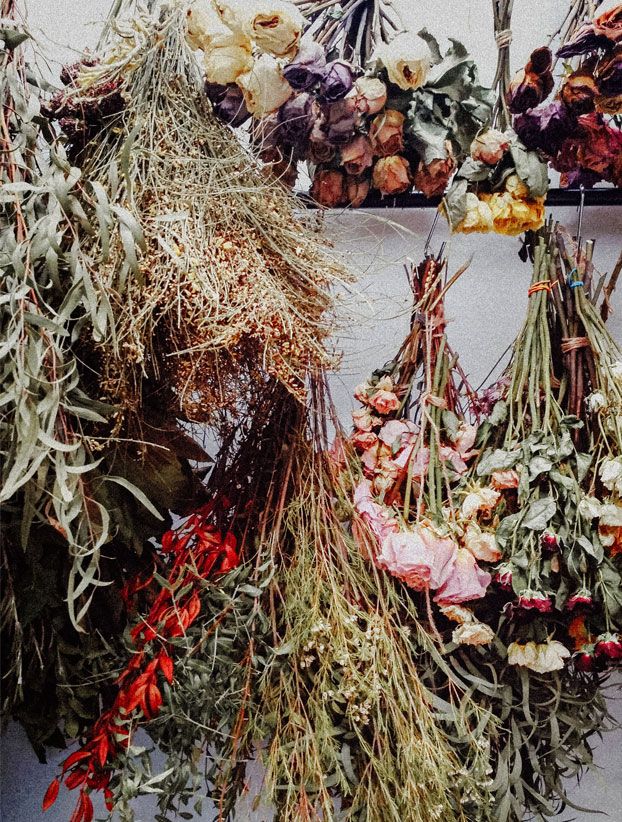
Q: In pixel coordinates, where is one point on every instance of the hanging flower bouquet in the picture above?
(577, 131)
(401, 121)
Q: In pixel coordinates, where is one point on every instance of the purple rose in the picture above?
(579, 177)
(340, 121)
(584, 41)
(228, 103)
(337, 81)
(545, 127)
(296, 119)
(308, 68)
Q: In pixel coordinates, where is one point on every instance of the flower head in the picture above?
(264, 87)
(228, 103)
(529, 600)
(420, 558)
(481, 544)
(580, 599)
(609, 646)
(611, 474)
(391, 175)
(296, 118)
(387, 133)
(478, 216)
(307, 68)
(540, 657)
(227, 63)
(473, 633)
(371, 95)
(357, 189)
(432, 179)
(328, 187)
(357, 156)
(467, 581)
(479, 500)
(407, 59)
(490, 146)
(377, 517)
(274, 25)
(337, 81)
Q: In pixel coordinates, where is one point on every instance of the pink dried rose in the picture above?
(363, 392)
(362, 419)
(328, 188)
(377, 517)
(384, 401)
(490, 146)
(387, 133)
(363, 440)
(371, 95)
(420, 557)
(391, 175)
(466, 581)
(482, 544)
(534, 601)
(370, 458)
(464, 440)
(357, 156)
(479, 500)
(503, 577)
(503, 480)
(357, 189)
(432, 179)
(398, 432)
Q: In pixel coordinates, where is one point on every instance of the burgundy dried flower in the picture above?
(296, 119)
(609, 74)
(585, 660)
(337, 81)
(503, 577)
(534, 601)
(578, 92)
(609, 646)
(581, 599)
(307, 68)
(545, 127)
(549, 542)
(339, 122)
(228, 103)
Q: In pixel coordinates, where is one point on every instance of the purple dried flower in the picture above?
(340, 121)
(296, 119)
(337, 81)
(308, 68)
(545, 127)
(228, 103)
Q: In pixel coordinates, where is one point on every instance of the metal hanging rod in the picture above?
(602, 197)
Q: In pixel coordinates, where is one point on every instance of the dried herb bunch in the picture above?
(214, 280)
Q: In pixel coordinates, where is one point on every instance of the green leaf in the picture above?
(137, 493)
(539, 513)
(531, 170)
(497, 460)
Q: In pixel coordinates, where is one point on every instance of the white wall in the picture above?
(485, 307)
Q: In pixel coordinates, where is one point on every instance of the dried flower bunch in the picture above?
(213, 279)
(394, 120)
(504, 525)
(576, 131)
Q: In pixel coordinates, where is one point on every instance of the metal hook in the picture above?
(580, 226)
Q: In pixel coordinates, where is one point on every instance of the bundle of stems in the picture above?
(214, 280)
(352, 29)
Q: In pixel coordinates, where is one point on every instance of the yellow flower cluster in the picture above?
(508, 212)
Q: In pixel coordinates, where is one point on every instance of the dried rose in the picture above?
(384, 401)
(489, 146)
(512, 216)
(337, 81)
(407, 59)
(387, 133)
(225, 64)
(540, 61)
(609, 74)
(609, 646)
(473, 633)
(319, 151)
(545, 127)
(580, 599)
(467, 581)
(609, 24)
(328, 188)
(391, 175)
(296, 118)
(308, 67)
(600, 144)
(339, 121)
(579, 92)
(205, 28)
(583, 41)
(264, 87)
(358, 191)
(432, 179)
(228, 103)
(532, 84)
(534, 601)
(503, 577)
(549, 542)
(371, 95)
(504, 480)
(478, 217)
(540, 657)
(357, 156)
(274, 25)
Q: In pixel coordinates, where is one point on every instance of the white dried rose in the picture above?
(205, 28)
(611, 474)
(482, 544)
(264, 87)
(473, 633)
(407, 59)
(274, 25)
(541, 657)
(589, 507)
(480, 499)
(225, 64)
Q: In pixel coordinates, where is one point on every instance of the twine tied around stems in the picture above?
(503, 38)
(574, 344)
(432, 399)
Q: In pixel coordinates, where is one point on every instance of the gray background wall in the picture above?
(485, 308)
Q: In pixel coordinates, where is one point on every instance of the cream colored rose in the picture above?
(480, 499)
(481, 544)
(264, 87)
(407, 59)
(206, 30)
(225, 64)
(538, 656)
(478, 217)
(473, 633)
(274, 25)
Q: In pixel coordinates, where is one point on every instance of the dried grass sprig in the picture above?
(231, 283)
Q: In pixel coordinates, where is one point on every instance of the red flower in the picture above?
(503, 577)
(549, 542)
(535, 601)
(51, 794)
(582, 599)
(609, 646)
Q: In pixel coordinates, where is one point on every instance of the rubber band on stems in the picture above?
(542, 285)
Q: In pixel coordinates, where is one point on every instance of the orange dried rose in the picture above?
(328, 187)
(432, 179)
(392, 175)
(357, 189)
(357, 155)
(387, 133)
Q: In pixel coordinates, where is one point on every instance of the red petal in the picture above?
(109, 799)
(87, 807)
(78, 813)
(194, 608)
(75, 778)
(51, 794)
(102, 751)
(154, 699)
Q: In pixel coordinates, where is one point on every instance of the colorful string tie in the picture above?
(573, 283)
(542, 285)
